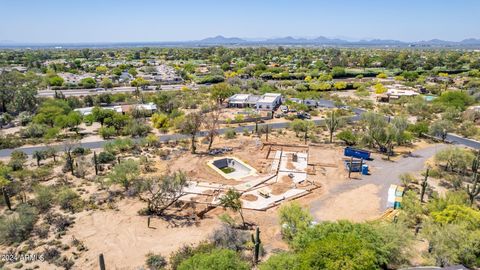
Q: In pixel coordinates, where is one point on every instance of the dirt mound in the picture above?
(279, 189)
(250, 197)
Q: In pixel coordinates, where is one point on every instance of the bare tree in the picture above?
(211, 122)
(162, 192)
(191, 126)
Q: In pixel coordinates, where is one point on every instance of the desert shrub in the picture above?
(17, 227)
(42, 231)
(119, 145)
(155, 261)
(107, 132)
(34, 131)
(105, 157)
(80, 151)
(17, 160)
(136, 129)
(69, 200)
(230, 133)
(43, 198)
(50, 254)
(64, 263)
(294, 219)
(217, 259)
(185, 252)
(348, 137)
(280, 261)
(229, 238)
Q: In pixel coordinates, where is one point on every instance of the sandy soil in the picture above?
(124, 239)
(250, 197)
(359, 204)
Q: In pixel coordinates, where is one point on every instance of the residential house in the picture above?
(268, 101)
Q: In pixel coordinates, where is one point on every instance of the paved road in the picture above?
(385, 173)
(162, 138)
(127, 89)
(171, 137)
(455, 139)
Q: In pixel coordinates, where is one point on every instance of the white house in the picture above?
(149, 107)
(269, 101)
(243, 101)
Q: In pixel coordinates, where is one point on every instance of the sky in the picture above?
(70, 21)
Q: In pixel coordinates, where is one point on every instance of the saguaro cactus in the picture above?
(474, 189)
(70, 161)
(95, 161)
(266, 135)
(256, 241)
(101, 261)
(7, 198)
(424, 185)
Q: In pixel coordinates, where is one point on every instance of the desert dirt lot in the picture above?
(121, 234)
(123, 237)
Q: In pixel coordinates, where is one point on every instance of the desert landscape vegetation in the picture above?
(235, 154)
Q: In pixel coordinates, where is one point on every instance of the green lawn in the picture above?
(227, 169)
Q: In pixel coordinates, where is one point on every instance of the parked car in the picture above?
(303, 115)
(284, 109)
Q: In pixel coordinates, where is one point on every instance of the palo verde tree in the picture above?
(124, 173)
(162, 192)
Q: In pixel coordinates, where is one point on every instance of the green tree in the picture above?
(88, 83)
(348, 137)
(231, 200)
(132, 71)
(338, 72)
(124, 173)
(379, 88)
(49, 110)
(441, 128)
(281, 261)
(347, 252)
(162, 192)
(299, 125)
(455, 99)
(293, 219)
(101, 70)
(218, 259)
(106, 83)
(221, 91)
(340, 85)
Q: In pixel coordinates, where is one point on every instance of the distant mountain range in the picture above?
(221, 40)
(235, 41)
